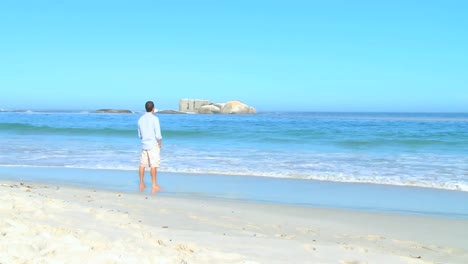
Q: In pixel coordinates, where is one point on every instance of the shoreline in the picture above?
(52, 222)
(457, 188)
(322, 194)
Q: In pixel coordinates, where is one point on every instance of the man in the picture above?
(149, 132)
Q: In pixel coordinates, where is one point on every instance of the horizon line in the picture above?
(258, 111)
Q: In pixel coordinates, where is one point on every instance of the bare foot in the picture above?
(156, 188)
(142, 187)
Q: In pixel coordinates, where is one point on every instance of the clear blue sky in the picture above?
(310, 55)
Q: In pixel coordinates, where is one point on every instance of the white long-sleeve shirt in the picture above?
(149, 131)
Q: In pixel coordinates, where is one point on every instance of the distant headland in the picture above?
(113, 111)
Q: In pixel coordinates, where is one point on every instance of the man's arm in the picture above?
(157, 130)
(139, 131)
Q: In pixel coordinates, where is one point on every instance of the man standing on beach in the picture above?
(149, 132)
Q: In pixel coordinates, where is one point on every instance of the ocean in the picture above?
(405, 149)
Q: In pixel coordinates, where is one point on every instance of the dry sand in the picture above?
(44, 223)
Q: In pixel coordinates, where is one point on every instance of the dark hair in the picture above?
(149, 106)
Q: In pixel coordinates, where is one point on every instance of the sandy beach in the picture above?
(46, 223)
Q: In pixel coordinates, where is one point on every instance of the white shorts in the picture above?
(150, 158)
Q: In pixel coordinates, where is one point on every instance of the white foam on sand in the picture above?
(454, 185)
(44, 223)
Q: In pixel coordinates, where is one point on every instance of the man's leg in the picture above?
(156, 187)
(142, 176)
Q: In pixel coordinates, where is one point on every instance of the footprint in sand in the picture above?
(410, 244)
(433, 248)
(286, 236)
(184, 248)
(310, 248)
(161, 243)
(361, 249)
(347, 247)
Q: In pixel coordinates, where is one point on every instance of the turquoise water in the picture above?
(426, 150)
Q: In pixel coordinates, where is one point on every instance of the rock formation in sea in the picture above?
(192, 105)
(207, 107)
(237, 107)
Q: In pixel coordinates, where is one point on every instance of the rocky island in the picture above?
(207, 107)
